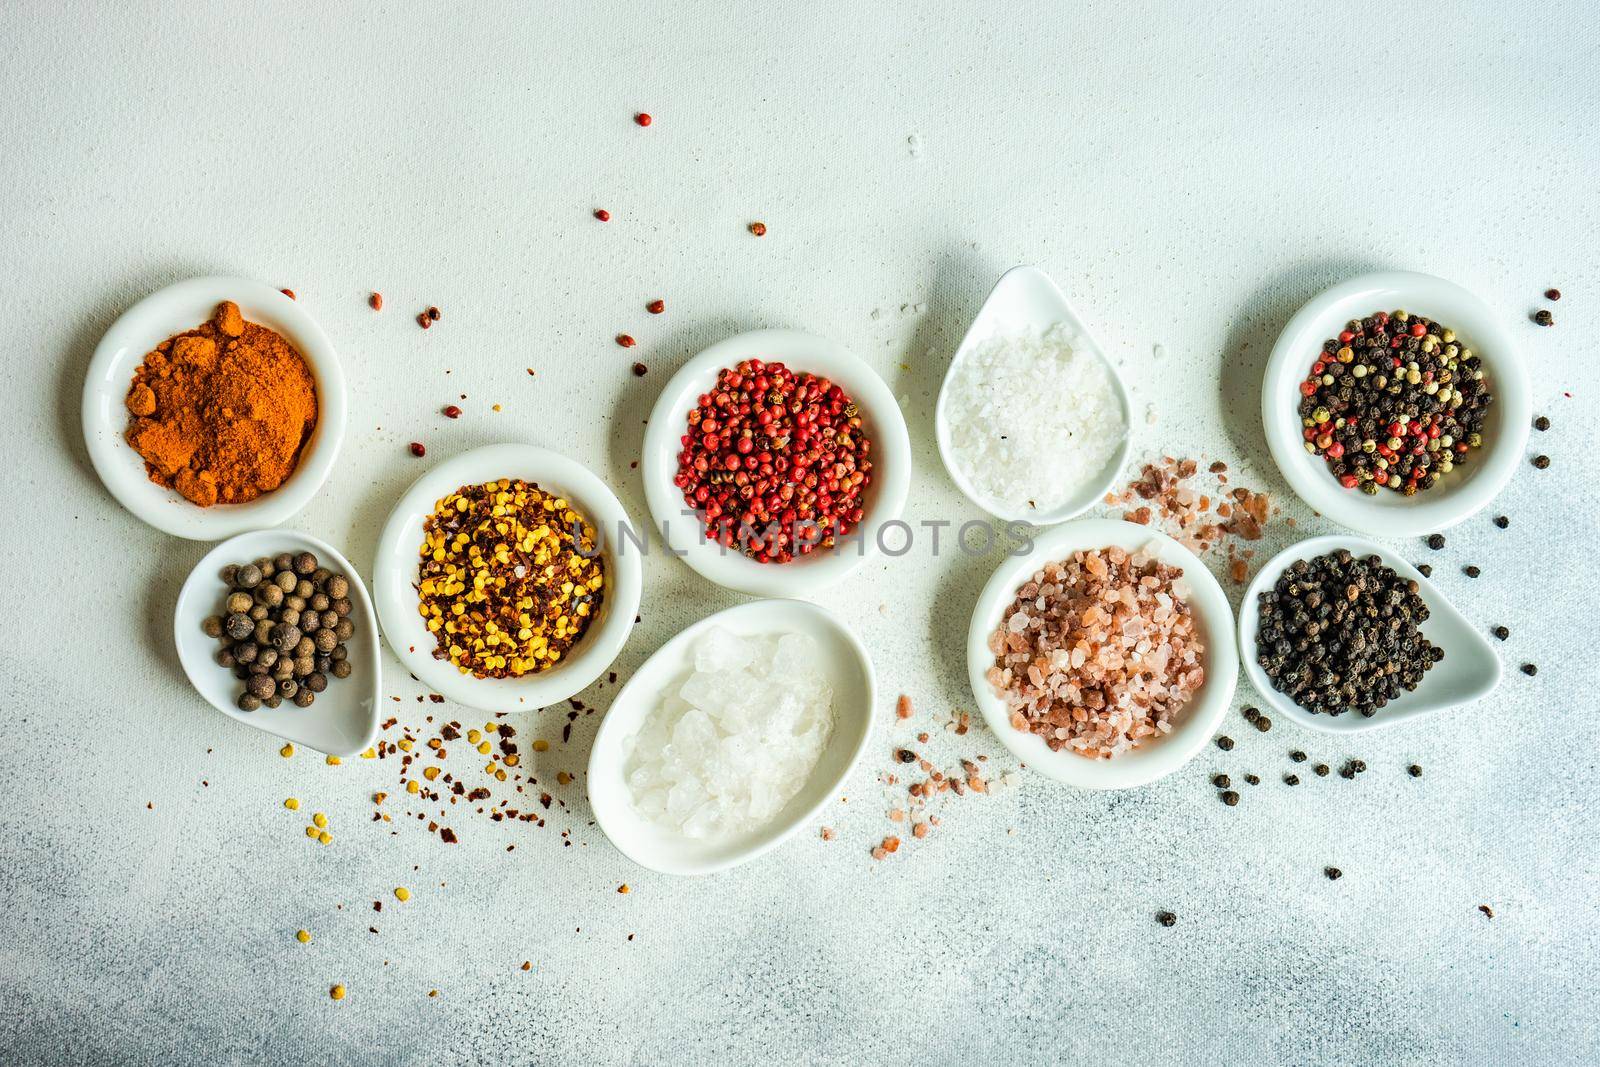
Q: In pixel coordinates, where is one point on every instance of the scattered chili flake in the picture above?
(623, 888)
(758, 228)
(417, 449)
(643, 118)
(375, 301)
(527, 965)
(625, 341)
(452, 412)
(602, 214)
(656, 307)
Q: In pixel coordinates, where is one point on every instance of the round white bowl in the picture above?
(681, 527)
(174, 310)
(1026, 299)
(396, 573)
(1458, 494)
(1469, 671)
(849, 669)
(1155, 758)
(344, 719)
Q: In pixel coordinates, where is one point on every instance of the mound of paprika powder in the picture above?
(222, 412)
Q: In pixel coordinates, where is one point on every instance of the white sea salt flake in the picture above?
(730, 746)
(1034, 418)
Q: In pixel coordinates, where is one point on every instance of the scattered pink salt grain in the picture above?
(902, 707)
(1196, 519)
(1097, 654)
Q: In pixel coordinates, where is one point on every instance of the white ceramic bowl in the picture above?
(1469, 671)
(174, 310)
(849, 668)
(1026, 299)
(344, 719)
(1458, 494)
(396, 573)
(883, 500)
(1195, 725)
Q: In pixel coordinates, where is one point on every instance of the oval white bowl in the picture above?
(174, 310)
(1025, 298)
(1469, 671)
(682, 529)
(854, 695)
(1458, 494)
(1153, 759)
(344, 719)
(397, 570)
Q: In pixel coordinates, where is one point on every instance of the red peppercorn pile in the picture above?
(1393, 402)
(774, 461)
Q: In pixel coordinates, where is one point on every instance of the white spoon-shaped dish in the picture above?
(396, 572)
(885, 496)
(1195, 724)
(344, 719)
(1461, 492)
(1026, 299)
(849, 669)
(1469, 671)
(174, 310)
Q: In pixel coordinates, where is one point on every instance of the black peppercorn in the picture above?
(1250, 714)
(1436, 541)
(1321, 769)
(1221, 781)
(1415, 770)
(1502, 521)
(1425, 570)
(905, 755)
(1263, 724)
(1252, 779)
(1541, 462)
(1291, 779)
(1529, 669)
(1297, 756)
(1166, 918)
(1225, 743)
(1230, 798)
(1470, 571)
(1333, 873)
(1541, 424)
(1501, 632)
(1544, 318)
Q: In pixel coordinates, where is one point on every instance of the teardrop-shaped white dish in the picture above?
(344, 719)
(843, 658)
(1026, 299)
(1469, 671)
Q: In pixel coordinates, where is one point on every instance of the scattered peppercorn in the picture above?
(1552, 294)
(1291, 779)
(625, 341)
(375, 301)
(1424, 569)
(423, 320)
(656, 307)
(1230, 798)
(1252, 779)
(1415, 770)
(1436, 541)
(1263, 723)
(1471, 571)
(337, 992)
(1250, 714)
(602, 214)
(417, 449)
(1221, 781)
(1502, 521)
(1501, 632)
(1321, 769)
(1529, 669)
(1544, 318)
(452, 412)
(1166, 918)
(1333, 873)
(758, 228)
(1225, 743)
(433, 314)
(640, 370)
(288, 293)
(1541, 424)
(1541, 462)
(1298, 756)
(643, 118)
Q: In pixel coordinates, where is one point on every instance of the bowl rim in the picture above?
(207, 570)
(1249, 624)
(170, 311)
(803, 352)
(1200, 720)
(1019, 275)
(395, 564)
(605, 740)
(1323, 316)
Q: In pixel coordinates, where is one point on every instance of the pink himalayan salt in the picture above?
(1098, 653)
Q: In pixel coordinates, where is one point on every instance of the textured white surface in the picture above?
(1189, 177)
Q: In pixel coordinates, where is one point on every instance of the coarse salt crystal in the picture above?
(1033, 418)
